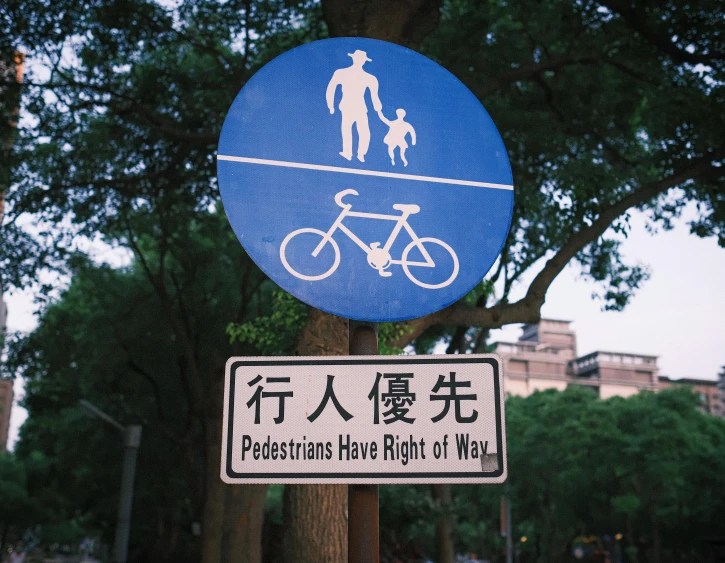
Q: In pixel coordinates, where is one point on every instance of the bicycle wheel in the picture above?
(301, 253)
(432, 242)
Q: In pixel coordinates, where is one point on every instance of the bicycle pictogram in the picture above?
(378, 257)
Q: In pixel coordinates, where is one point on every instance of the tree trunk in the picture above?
(403, 22)
(315, 516)
(212, 524)
(232, 514)
(243, 519)
(444, 526)
(324, 335)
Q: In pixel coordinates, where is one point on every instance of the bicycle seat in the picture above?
(411, 208)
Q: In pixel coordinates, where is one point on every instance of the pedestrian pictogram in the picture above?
(355, 82)
(397, 142)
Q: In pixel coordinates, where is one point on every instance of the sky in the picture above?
(678, 315)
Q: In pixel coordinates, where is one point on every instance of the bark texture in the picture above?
(215, 494)
(315, 519)
(233, 514)
(315, 516)
(324, 335)
(406, 22)
(243, 521)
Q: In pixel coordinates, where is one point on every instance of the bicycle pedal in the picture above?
(385, 274)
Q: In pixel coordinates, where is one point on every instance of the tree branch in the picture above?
(532, 71)
(113, 183)
(166, 428)
(122, 104)
(163, 124)
(661, 41)
(528, 309)
(529, 71)
(181, 331)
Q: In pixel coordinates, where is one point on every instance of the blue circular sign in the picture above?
(365, 179)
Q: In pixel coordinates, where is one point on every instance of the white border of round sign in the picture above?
(349, 231)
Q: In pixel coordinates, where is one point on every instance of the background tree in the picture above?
(605, 107)
(591, 101)
(602, 107)
(649, 467)
(150, 358)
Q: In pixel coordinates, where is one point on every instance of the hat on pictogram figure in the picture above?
(359, 55)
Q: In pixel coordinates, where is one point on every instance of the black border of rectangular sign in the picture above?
(382, 361)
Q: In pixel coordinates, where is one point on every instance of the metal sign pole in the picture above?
(132, 441)
(363, 543)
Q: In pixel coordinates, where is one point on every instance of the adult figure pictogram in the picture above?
(354, 82)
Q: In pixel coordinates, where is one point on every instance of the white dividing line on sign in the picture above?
(342, 170)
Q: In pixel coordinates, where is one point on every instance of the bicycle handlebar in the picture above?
(343, 193)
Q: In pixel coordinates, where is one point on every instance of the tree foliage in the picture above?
(649, 467)
(277, 333)
(17, 509)
(605, 107)
(110, 339)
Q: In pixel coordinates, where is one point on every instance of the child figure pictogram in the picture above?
(395, 138)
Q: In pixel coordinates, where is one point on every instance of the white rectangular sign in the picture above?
(364, 419)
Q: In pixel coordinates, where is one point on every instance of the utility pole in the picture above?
(132, 440)
(131, 443)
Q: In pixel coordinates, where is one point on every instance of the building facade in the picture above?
(6, 387)
(710, 393)
(10, 66)
(6, 403)
(545, 357)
